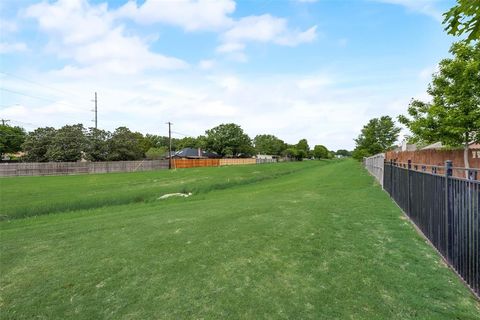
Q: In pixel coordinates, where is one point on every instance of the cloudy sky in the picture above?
(294, 68)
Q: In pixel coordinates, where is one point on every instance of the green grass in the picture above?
(32, 196)
(323, 242)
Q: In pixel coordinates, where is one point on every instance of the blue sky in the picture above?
(297, 69)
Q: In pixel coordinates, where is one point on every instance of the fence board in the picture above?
(193, 163)
(235, 162)
(374, 165)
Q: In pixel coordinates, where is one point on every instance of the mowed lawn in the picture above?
(317, 240)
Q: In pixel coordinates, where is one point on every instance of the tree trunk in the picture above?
(465, 159)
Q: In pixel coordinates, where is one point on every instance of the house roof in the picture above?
(194, 153)
(439, 145)
(436, 145)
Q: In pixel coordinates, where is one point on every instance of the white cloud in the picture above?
(191, 15)
(426, 73)
(427, 7)
(6, 47)
(292, 106)
(315, 82)
(206, 64)
(88, 35)
(264, 29)
(8, 26)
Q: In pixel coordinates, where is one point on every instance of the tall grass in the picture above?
(32, 196)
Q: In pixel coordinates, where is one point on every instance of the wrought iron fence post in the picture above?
(448, 211)
(409, 168)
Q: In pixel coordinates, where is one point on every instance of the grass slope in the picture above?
(32, 196)
(323, 243)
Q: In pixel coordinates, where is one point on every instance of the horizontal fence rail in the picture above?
(446, 208)
(374, 165)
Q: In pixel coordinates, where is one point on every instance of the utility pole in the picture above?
(96, 111)
(169, 145)
(5, 121)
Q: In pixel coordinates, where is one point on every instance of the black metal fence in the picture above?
(445, 207)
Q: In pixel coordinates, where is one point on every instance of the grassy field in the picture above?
(31, 196)
(314, 240)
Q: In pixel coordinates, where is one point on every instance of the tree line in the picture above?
(75, 142)
(452, 117)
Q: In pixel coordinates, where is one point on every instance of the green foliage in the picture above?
(11, 139)
(156, 153)
(268, 144)
(229, 140)
(125, 145)
(290, 152)
(96, 147)
(379, 135)
(343, 153)
(453, 116)
(464, 18)
(142, 142)
(187, 142)
(37, 143)
(67, 144)
(321, 152)
(302, 145)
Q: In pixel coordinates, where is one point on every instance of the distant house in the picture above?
(264, 156)
(406, 147)
(194, 153)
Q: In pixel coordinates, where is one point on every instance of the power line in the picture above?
(39, 84)
(183, 134)
(40, 98)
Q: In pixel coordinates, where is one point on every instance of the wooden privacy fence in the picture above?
(436, 157)
(374, 165)
(194, 163)
(235, 162)
(260, 161)
(66, 168)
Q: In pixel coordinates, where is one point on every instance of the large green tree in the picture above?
(187, 142)
(453, 115)
(125, 145)
(464, 18)
(303, 149)
(378, 135)
(37, 143)
(96, 145)
(67, 144)
(343, 153)
(321, 152)
(268, 144)
(229, 140)
(11, 139)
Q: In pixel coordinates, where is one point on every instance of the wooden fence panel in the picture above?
(194, 163)
(436, 157)
(235, 162)
(66, 168)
